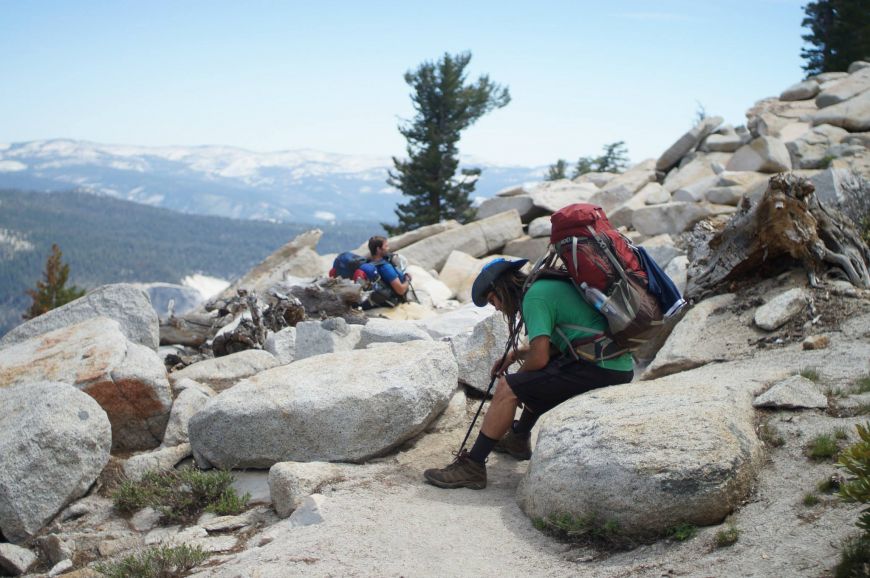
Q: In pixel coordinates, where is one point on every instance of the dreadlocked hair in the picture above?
(509, 288)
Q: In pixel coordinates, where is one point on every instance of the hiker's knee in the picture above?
(503, 391)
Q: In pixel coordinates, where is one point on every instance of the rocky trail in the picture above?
(327, 414)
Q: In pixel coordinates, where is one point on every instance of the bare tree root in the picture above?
(788, 224)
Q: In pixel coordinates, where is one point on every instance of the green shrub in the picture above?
(810, 373)
(586, 529)
(826, 161)
(810, 500)
(862, 384)
(727, 537)
(181, 495)
(131, 496)
(683, 532)
(156, 562)
(822, 447)
(854, 558)
(841, 434)
(229, 503)
(836, 392)
(856, 460)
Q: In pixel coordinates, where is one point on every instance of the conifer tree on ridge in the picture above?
(52, 291)
(445, 105)
(839, 34)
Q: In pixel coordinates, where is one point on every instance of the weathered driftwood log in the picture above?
(248, 334)
(788, 224)
(192, 330)
(282, 311)
(331, 298)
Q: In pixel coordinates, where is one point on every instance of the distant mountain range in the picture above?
(106, 240)
(302, 186)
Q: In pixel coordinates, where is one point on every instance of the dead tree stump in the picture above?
(789, 224)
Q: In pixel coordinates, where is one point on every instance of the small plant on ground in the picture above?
(727, 537)
(683, 532)
(181, 495)
(829, 485)
(810, 373)
(841, 434)
(822, 447)
(586, 529)
(229, 504)
(862, 384)
(810, 500)
(770, 435)
(836, 392)
(157, 562)
(855, 556)
(826, 161)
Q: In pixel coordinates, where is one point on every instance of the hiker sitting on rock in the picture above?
(380, 250)
(552, 310)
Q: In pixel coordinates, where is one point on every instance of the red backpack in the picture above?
(586, 242)
(603, 266)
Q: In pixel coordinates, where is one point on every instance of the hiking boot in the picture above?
(462, 473)
(519, 447)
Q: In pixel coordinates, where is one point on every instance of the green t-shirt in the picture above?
(551, 302)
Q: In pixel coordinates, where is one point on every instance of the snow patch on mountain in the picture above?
(207, 286)
(12, 242)
(11, 166)
(296, 185)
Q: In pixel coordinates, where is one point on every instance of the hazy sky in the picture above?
(328, 75)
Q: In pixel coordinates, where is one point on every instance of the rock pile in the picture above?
(311, 395)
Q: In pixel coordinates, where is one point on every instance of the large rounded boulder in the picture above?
(127, 304)
(343, 406)
(127, 379)
(55, 443)
(647, 456)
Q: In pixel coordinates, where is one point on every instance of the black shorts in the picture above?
(561, 380)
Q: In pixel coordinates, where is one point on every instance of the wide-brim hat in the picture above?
(490, 272)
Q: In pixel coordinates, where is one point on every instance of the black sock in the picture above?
(524, 425)
(481, 448)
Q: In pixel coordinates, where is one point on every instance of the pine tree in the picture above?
(614, 159)
(839, 34)
(557, 171)
(445, 105)
(584, 165)
(52, 291)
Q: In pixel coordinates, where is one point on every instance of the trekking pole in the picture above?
(413, 292)
(486, 395)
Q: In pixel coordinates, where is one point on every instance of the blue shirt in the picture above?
(387, 272)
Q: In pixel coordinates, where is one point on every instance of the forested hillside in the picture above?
(106, 240)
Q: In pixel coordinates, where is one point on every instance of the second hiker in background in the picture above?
(394, 284)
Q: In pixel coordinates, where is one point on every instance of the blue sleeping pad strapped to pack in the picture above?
(660, 285)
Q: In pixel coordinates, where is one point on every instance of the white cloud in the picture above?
(324, 215)
(11, 166)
